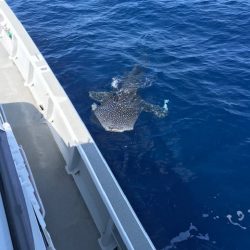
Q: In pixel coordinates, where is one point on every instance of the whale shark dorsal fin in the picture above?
(157, 110)
(100, 96)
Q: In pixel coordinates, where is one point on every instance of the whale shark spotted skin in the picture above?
(119, 109)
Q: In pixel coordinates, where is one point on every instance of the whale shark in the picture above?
(119, 109)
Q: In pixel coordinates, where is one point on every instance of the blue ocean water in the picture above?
(187, 176)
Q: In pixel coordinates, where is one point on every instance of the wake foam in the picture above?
(183, 236)
(115, 82)
(94, 106)
(165, 106)
(229, 216)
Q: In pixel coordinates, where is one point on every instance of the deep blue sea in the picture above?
(187, 176)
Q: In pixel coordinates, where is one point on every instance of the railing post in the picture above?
(107, 241)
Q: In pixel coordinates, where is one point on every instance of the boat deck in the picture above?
(67, 217)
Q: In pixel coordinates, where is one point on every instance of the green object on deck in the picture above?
(9, 34)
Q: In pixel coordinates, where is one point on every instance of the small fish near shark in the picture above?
(119, 109)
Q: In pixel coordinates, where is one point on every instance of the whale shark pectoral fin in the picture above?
(155, 109)
(99, 96)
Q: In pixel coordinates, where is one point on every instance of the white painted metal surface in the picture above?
(115, 219)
